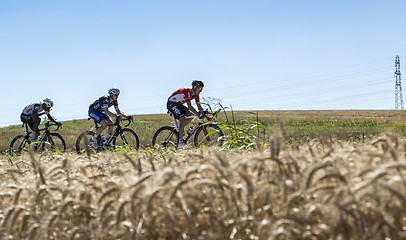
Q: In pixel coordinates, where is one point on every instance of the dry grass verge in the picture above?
(322, 190)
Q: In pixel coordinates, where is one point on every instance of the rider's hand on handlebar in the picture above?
(203, 114)
(124, 117)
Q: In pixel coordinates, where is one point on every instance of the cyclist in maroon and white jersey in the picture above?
(176, 107)
(99, 111)
(31, 115)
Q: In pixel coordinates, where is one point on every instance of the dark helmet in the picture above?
(197, 83)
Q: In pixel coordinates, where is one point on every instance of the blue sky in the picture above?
(253, 55)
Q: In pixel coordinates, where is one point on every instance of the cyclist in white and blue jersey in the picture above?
(99, 111)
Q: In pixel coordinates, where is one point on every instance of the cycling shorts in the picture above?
(97, 116)
(25, 118)
(178, 110)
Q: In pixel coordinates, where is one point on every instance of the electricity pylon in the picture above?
(398, 85)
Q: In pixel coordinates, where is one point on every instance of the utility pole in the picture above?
(398, 85)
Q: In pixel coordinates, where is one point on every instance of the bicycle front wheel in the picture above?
(208, 135)
(19, 145)
(83, 142)
(53, 143)
(166, 137)
(127, 139)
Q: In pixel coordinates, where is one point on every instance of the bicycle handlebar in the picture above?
(129, 119)
(49, 124)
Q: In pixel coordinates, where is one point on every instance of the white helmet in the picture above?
(48, 102)
(114, 91)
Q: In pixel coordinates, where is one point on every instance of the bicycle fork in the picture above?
(206, 133)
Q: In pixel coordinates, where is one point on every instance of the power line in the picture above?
(284, 97)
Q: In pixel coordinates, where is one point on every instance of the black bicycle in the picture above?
(206, 134)
(49, 141)
(122, 139)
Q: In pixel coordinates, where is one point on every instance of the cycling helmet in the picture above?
(48, 102)
(197, 83)
(114, 91)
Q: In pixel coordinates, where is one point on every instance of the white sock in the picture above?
(32, 135)
(94, 137)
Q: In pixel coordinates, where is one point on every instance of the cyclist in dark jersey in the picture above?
(99, 111)
(31, 115)
(176, 107)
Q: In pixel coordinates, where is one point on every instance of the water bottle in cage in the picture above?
(189, 131)
(175, 124)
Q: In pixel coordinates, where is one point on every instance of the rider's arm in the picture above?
(52, 119)
(201, 110)
(119, 113)
(106, 110)
(199, 107)
(122, 115)
(192, 109)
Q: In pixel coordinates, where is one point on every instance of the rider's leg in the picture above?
(111, 127)
(179, 111)
(35, 123)
(104, 124)
(102, 118)
(183, 122)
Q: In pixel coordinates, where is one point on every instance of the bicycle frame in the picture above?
(117, 131)
(169, 135)
(46, 130)
(198, 125)
(23, 141)
(45, 134)
(121, 138)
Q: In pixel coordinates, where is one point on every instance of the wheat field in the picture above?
(320, 190)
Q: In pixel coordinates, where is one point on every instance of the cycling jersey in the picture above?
(103, 102)
(183, 95)
(34, 108)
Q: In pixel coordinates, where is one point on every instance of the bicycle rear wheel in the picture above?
(83, 142)
(126, 140)
(19, 145)
(208, 135)
(54, 143)
(166, 137)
